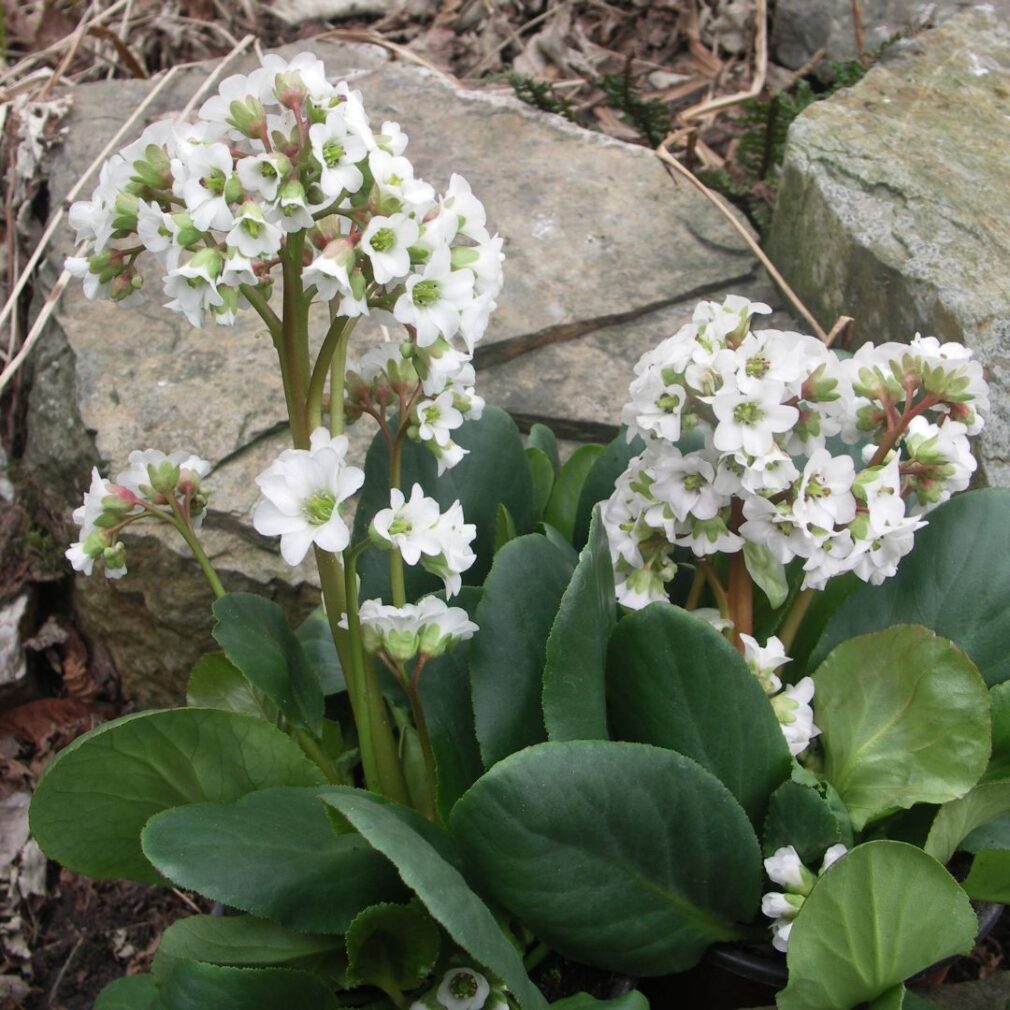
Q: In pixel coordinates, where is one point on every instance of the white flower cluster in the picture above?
(422, 533)
(791, 705)
(463, 989)
(284, 162)
(154, 486)
(427, 628)
(766, 402)
(785, 869)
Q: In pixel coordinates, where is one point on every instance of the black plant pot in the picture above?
(767, 966)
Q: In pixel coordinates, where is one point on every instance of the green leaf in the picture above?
(316, 640)
(599, 482)
(448, 710)
(959, 818)
(505, 528)
(564, 500)
(956, 581)
(999, 760)
(541, 437)
(134, 992)
(273, 853)
(394, 947)
(515, 614)
(192, 985)
(800, 816)
(893, 999)
(568, 552)
(624, 856)
(542, 475)
(904, 717)
(768, 574)
(822, 608)
(883, 912)
(440, 886)
(674, 681)
(217, 683)
(238, 940)
(255, 636)
(574, 689)
(633, 1000)
(989, 877)
(994, 835)
(494, 470)
(99, 792)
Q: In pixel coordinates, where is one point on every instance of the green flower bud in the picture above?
(154, 170)
(463, 256)
(164, 476)
(247, 116)
(400, 645)
(115, 556)
(189, 235)
(125, 218)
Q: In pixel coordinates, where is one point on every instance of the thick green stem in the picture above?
(716, 587)
(310, 745)
(697, 585)
(791, 625)
(395, 560)
(375, 729)
(293, 335)
(413, 688)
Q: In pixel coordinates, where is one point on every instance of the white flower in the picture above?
(487, 267)
(338, 149)
(785, 868)
(777, 905)
(430, 627)
(204, 178)
(454, 555)
(137, 477)
(459, 200)
(763, 661)
(655, 407)
(831, 856)
(463, 989)
(252, 234)
(329, 270)
(193, 286)
(749, 421)
(824, 496)
(437, 418)
(263, 174)
(781, 929)
(796, 717)
(387, 241)
(95, 541)
(433, 299)
(686, 484)
(447, 456)
(302, 492)
(394, 177)
(409, 526)
(876, 558)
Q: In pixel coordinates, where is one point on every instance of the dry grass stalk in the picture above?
(668, 159)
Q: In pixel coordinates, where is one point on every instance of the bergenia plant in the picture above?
(739, 678)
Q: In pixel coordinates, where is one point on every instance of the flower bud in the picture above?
(400, 645)
(114, 558)
(463, 256)
(154, 170)
(247, 116)
(164, 476)
(125, 218)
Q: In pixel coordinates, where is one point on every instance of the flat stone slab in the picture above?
(602, 248)
(893, 204)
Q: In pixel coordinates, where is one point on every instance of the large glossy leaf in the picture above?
(542, 475)
(882, 913)
(507, 656)
(448, 710)
(193, 985)
(574, 687)
(994, 835)
(999, 759)
(494, 470)
(904, 716)
(957, 819)
(255, 636)
(798, 815)
(440, 886)
(564, 501)
(98, 794)
(217, 683)
(989, 877)
(675, 682)
(394, 947)
(541, 437)
(317, 640)
(599, 482)
(956, 581)
(134, 992)
(625, 856)
(275, 854)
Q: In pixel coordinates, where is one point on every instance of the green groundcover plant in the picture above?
(738, 677)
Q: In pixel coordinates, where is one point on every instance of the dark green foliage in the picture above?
(539, 94)
(650, 116)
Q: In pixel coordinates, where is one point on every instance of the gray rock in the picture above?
(801, 27)
(893, 209)
(595, 232)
